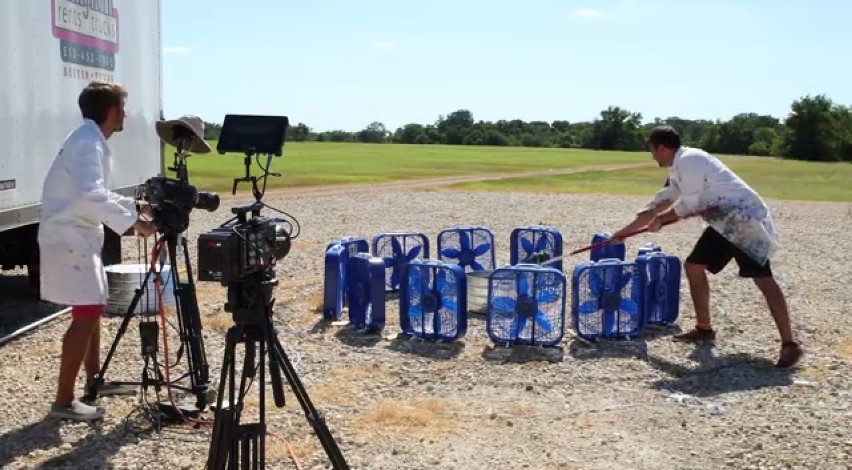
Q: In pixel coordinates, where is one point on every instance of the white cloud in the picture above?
(587, 13)
(176, 50)
(383, 46)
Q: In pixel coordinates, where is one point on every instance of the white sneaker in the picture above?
(78, 411)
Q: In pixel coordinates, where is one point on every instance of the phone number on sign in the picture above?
(82, 55)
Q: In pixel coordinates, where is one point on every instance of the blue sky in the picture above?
(340, 64)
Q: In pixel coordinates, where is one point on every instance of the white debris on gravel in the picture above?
(393, 403)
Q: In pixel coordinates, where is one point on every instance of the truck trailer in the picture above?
(51, 50)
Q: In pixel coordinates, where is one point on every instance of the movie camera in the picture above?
(172, 199)
(241, 254)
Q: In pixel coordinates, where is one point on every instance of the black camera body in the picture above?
(236, 251)
(241, 253)
(172, 200)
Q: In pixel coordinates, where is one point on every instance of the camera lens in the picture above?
(207, 201)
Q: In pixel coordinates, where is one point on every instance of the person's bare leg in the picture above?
(75, 343)
(699, 288)
(791, 351)
(777, 306)
(92, 361)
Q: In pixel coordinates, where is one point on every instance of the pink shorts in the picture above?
(86, 311)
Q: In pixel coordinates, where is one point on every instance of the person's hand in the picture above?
(144, 228)
(145, 209)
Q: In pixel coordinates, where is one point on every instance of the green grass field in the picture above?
(314, 163)
(772, 178)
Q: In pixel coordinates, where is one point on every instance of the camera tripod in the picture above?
(189, 324)
(242, 446)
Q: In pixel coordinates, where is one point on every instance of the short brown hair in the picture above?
(97, 98)
(666, 136)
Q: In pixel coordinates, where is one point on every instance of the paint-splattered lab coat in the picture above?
(75, 204)
(699, 182)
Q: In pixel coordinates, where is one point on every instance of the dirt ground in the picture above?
(397, 403)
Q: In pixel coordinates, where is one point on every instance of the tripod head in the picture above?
(183, 138)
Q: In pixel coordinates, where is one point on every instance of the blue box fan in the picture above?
(365, 279)
(353, 244)
(334, 286)
(334, 289)
(397, 249)
(615, 251)
(526, 305)
(535, 244)
(433, 300)
(603, 300)
(660, 276)
(469, 246)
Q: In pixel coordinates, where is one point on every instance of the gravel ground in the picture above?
(394, 403)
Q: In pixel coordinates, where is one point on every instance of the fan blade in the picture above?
(451, 253)
(629, 306)
(506, 304)
(589, 306)
(414, 252)
(527, 245)
(445, 284)
(397, 248)
(596, 283)
(543, 322)
(477, 266)
(389, 261)
(394, 279)
(546, 296)
(523, 284)
(464, 241)
(482, 249)
(541, 244)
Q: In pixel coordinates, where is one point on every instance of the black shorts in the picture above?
(715, 252)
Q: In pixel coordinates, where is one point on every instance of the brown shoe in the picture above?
(696, 335)
(790, 354)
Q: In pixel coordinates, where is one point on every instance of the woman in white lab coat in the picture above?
(76, 202)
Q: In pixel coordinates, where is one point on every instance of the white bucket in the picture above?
(477, 291)
(124, 279)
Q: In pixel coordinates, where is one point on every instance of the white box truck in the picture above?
(50, 50)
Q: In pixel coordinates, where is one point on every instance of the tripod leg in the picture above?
(98, 380)
(224, 418)
(278, 358)
(189, 322)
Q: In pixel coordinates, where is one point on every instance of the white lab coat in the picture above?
(76, 202)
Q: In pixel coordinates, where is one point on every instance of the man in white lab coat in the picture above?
(76, 201)
(740, 228)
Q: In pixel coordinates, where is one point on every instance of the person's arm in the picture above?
(691, 173)
(95, 202)
(692, 176)
(662, 201)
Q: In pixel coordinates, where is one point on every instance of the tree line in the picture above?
(816, 129)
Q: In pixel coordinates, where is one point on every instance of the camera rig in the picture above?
(241, 254)
(171, 201)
